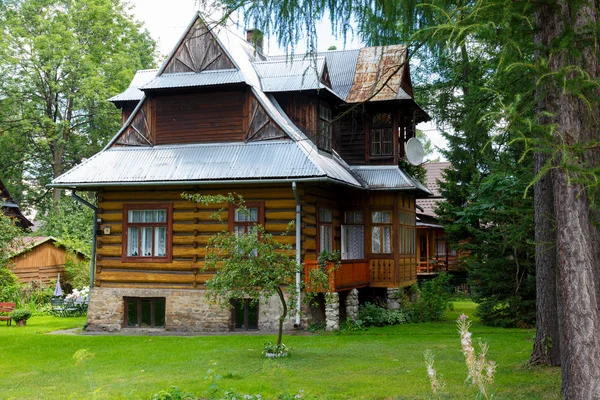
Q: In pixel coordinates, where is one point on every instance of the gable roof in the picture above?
(27, 243)
(293, 158)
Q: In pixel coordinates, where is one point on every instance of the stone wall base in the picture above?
(186, 311)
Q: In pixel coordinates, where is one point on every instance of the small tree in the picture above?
(251, 264)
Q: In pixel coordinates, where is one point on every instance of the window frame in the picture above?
(320, 224)
(344, 227)
(168, 224)
(128, 299)
(247, 304)
(407, 233)
(324, 127)
(380, 225)
(260, 217)
(379, 131)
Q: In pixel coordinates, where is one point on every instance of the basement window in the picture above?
(144, 312)
(244, 314)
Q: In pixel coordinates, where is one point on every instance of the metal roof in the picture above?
(195, 79)
(342, 67)
(290, 75)
(133, 92)
(198, 163)
(388, 177)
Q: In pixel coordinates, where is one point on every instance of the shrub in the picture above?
(20, 314)
(373, 315)
(9, 285)
(434, 298)
(172, 393)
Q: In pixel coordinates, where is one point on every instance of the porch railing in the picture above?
(349, 275)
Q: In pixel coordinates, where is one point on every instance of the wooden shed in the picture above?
(40, 259)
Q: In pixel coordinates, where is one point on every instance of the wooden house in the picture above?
(11, 208)
(433, 253)
(40, 259)
(317, 140)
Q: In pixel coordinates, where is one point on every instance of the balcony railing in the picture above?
(350, 274)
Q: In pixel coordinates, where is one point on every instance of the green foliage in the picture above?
(62, 60)
(249, 265)
(433, 299)
(271, 350)
(9, 239)
(173, 393)
(370, 314)
(77, 273)
(20, 314)
(71, 223)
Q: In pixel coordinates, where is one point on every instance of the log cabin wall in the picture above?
(200, 117)
(350, 137)
(302, 111)
(192, 228)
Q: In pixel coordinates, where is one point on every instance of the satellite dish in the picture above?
(414, 151)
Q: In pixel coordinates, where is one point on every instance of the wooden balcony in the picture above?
(382, 272)
(351, 274)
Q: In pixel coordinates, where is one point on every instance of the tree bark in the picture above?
(576, 124)
(546, 348)
(283, 315)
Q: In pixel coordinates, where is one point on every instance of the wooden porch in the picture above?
(354, 274)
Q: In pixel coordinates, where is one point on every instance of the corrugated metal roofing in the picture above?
(133, 92)
(194, 79)
(387, 177)
(290, 75)
(342, 67)
(204, 162)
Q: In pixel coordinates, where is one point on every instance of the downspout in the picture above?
(298, 253)
(93, 259)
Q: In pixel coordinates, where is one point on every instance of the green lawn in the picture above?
(381, 363)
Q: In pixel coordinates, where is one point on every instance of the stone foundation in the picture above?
(332, 311)
(186, 311)
(352, 305)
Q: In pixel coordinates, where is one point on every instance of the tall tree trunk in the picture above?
(546, 348)
(283, 315)
(577, 238)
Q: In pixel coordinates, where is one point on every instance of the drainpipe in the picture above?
(93, 259)
(298, 252)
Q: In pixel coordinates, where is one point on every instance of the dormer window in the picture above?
(382, 137)
(324, 131)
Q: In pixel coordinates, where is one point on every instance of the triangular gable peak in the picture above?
(261, 125)
(325, 78)
(379, 76)
(136, 131)
(198, 51)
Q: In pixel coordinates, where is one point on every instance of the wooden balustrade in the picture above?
(382, 271)
(349, 275)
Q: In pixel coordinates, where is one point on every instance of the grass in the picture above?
(381, 363)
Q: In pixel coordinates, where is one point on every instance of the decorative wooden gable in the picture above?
(260, 124)
(138, 131)
(198, 51)
(325, 79)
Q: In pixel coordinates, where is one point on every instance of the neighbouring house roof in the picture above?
(11, 208)
(434, 176)
(26, 243)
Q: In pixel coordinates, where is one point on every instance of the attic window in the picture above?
(382, 137)
(324, 133)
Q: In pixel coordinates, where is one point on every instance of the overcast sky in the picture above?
(166, 21)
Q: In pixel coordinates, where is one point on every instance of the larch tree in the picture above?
(60, 61)
(542, 61)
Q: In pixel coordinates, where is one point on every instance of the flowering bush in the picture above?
(82, 293)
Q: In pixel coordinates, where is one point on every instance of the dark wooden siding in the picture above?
(200, 117)
(302, 111)
(349, 137)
